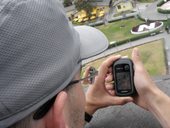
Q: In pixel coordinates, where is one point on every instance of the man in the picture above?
(41, 53)
(40, 60)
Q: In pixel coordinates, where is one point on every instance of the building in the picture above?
(123, 6)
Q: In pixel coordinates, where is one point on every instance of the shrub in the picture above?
(96, 24)
(160, 3)
(132, 39)
(163, 11)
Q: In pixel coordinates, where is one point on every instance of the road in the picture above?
(150, 12)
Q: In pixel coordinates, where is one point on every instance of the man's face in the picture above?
(76, 104)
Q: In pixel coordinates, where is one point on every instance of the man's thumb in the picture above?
(136, 56)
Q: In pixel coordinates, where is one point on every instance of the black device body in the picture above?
(123, 74)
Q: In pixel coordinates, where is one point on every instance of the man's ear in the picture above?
(55, 117)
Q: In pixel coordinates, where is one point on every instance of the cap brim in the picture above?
(93, 41)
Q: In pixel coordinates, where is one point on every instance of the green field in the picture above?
(119, 30)
(152, 55)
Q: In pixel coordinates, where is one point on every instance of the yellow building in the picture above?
(124, 6)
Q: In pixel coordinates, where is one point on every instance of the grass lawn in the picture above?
(152, 55)
(119, 30)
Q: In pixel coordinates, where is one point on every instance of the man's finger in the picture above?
(136, 56)
(103, 69)
(121, 100)
(109, 86)
(109, 78)
(112, 92)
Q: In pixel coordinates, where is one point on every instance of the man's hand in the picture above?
(101, 93)
(149, 96)
(142, 80)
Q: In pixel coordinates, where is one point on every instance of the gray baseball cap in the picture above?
(40, 52)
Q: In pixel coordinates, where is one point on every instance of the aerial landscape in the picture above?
(127, 24)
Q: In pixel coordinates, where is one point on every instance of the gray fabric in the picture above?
(40, 52)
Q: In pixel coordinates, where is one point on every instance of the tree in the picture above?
(67, 3)
(84, 5)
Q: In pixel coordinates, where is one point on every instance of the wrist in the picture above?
(90, 109)
(149, 93)
(159, 107)
(150, 97)
(156, 98)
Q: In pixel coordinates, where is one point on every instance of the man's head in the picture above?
(40, 53)
(66, 111)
